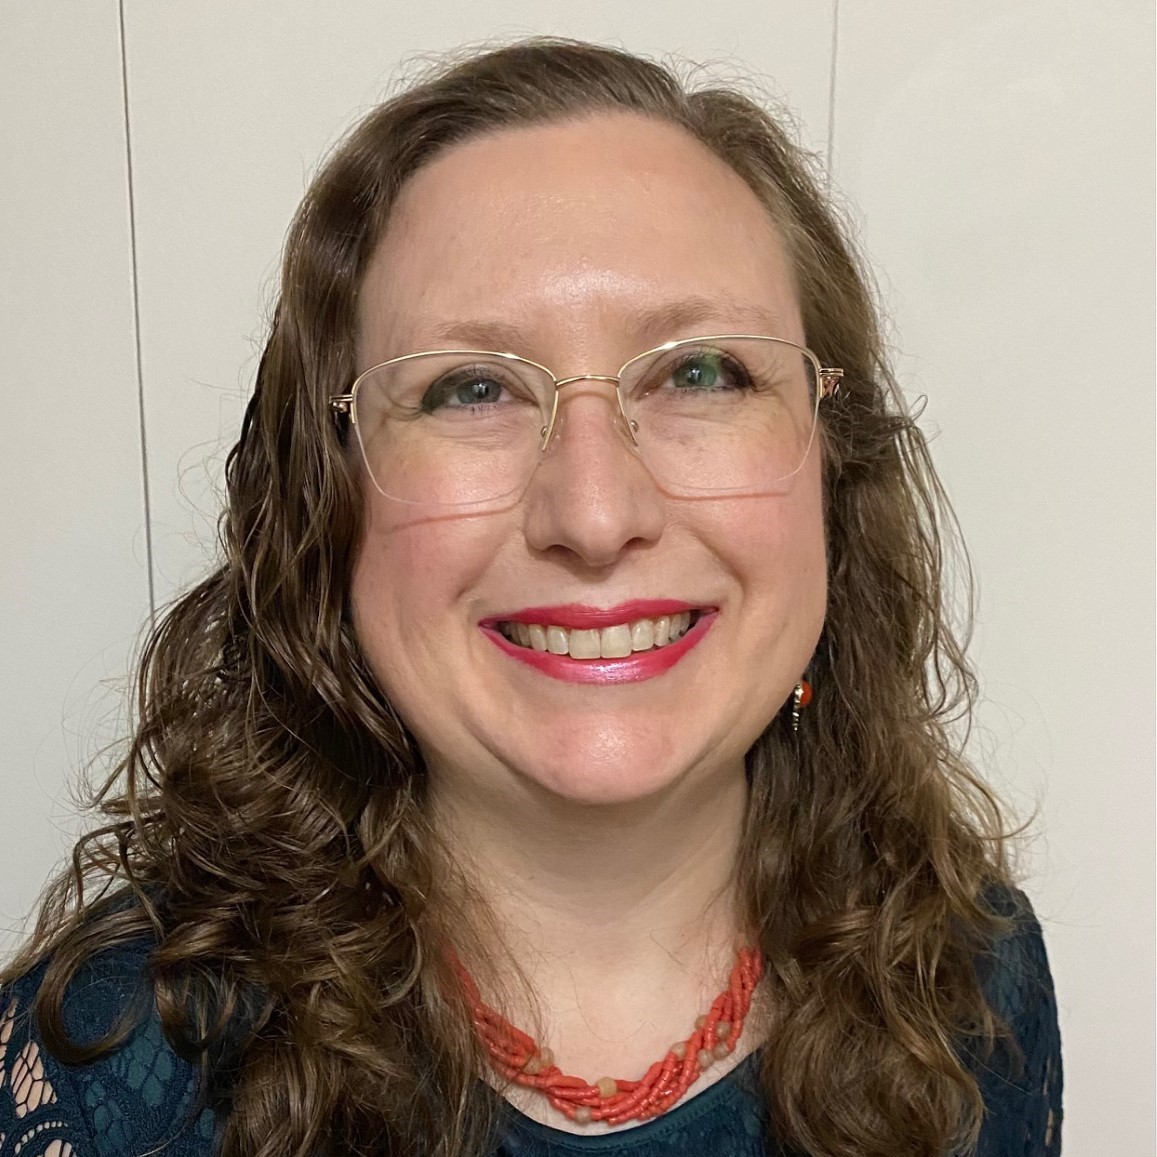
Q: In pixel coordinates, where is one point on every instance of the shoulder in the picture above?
(138, 1095)
(1022, 1081)
(1014, 968)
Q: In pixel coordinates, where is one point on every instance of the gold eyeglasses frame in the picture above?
(827, 378)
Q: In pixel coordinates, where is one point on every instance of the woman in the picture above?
(559, 756)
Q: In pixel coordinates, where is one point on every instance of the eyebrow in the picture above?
(651, 324)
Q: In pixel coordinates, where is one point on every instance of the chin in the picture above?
(603, 769)
(579, 786)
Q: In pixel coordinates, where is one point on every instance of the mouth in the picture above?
(633, 641)
(617, 641)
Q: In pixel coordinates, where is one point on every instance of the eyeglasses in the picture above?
(720, 415)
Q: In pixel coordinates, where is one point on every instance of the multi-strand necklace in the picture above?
(517, 1056)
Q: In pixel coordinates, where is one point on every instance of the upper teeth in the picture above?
(610, 643)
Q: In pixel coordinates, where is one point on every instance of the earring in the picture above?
(801, 697)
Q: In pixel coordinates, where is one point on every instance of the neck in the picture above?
(628, 906)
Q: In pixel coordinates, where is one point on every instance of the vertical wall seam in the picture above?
(832, 89)
(135, 283)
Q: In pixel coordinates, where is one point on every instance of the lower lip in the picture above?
(630, 669)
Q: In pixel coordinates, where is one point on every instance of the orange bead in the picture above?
(805, 695)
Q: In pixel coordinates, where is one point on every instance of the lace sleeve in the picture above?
(138, 1098)
(39, 1116)
(1023, 1103)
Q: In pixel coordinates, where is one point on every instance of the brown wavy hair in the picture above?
(265, 823)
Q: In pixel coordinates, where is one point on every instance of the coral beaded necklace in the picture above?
(517, 1057)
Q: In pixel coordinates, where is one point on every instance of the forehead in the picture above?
(614, 224)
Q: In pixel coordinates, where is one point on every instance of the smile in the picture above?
(625, 644)
(615, 642)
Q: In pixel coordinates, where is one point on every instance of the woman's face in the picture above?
(567, 238)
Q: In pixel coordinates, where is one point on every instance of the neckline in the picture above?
(699, 1104)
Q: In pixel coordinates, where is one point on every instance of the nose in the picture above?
(591, 494)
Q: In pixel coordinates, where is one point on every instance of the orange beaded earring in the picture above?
(801, 697)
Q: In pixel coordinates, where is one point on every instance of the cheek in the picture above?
(777, 546)
(410, 591)
(801, 543)
(776, 551)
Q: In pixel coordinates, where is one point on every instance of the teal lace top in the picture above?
(142, 1098)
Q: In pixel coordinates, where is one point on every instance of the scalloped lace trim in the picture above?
(24, 1082)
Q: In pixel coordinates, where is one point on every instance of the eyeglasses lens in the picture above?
(710, 416)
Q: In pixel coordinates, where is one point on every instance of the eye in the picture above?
(708, 370)
(468, 387)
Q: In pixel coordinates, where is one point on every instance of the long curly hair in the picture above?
(265, 826)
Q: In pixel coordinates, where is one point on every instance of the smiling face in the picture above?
(580, 245)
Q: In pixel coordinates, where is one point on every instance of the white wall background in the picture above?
(998, 158)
